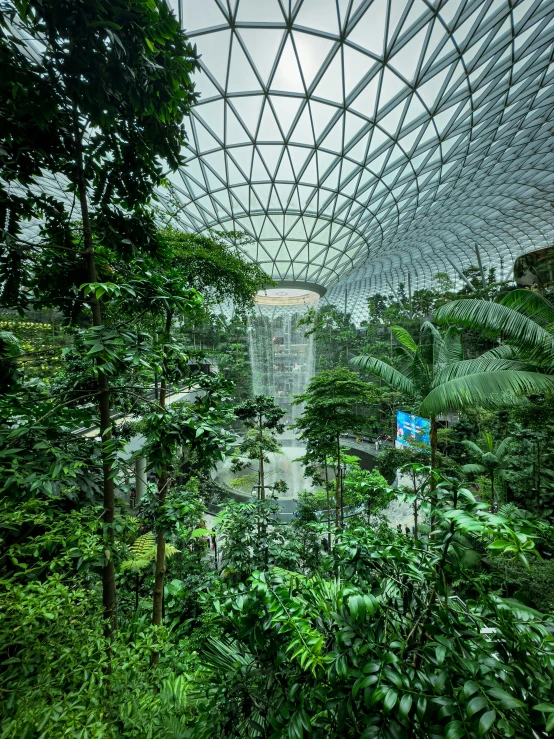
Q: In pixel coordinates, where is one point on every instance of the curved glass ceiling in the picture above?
(357, 141)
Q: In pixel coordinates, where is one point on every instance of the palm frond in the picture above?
(473, 469)
(453, 345)
(494, 319)
(486, 389)
(405, 338)
(391, 376)
(484, 363)
(531, 304)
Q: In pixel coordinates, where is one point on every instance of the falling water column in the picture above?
(282, 356)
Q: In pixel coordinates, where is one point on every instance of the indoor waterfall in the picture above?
(282, 356)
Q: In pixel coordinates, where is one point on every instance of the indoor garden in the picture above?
(276, 369)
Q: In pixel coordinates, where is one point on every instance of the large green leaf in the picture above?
(405, 338)
(484, 363)
(486, 389)
(391, 376)
(494, 319)
(531, 304)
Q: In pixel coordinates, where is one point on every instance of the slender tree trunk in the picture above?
(538, 476)
(262, 471)
(493, 494)
(337, 485)
(415, 520)
(433, 440)
(328, 505)
(262, 475)
(108, 571)
(163, 483)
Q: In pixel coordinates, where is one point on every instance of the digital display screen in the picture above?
(410, 429)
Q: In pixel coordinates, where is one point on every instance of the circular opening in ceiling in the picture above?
(286, 296)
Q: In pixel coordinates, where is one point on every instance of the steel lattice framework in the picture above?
(359, 141)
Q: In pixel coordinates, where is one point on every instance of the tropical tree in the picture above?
(417, 373)
(262, 417)
(492, 459)
(522, 364)
(448, 382)
(334, 402)
(100, 108)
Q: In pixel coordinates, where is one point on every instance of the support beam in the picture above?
(459, 271)
(480, 263)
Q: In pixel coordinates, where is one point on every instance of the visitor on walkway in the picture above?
(133, 497)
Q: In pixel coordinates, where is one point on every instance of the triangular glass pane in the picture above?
(253, 10)
(430, 90)
(390, 122)
(204, 16)
(214, 50)
(287, 75)
(234, 131)
(330, 86)
(312, 52)
(365, 101)
(234, 175)
(321, 115)
(406, 61)
(263, 45)
(415, 110)
(378, 138)
(205, 140)
(302, 133)
(352, 126)
(243, 157)
(391, 86)
(376, 165)
(270, 155)
(407, 141)
(396, 9)
(241, 74)
(319, 14)
(212, 114)
(369, 32)
(286, 109)
(358, 151)
(356, 66)
(249, 109)
(269, 130)
(298, 155)
(310, 173)
(205, 87)
(259, 173)
(285, 170)
(333, 140)
(416, 11)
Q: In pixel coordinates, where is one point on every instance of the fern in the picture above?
(143, 550)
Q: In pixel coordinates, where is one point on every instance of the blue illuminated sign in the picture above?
(410, 429)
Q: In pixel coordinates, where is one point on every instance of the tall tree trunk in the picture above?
(538, 501)
(433, 441)
(493, 494)
(163, 483)
(337, 485)
(261, 472)
(108, 571)
(262, 475)
(328, 505)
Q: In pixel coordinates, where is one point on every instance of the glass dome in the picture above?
(359, 141)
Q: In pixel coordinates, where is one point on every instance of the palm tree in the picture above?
(491, 459)
(417, 376)
(497, 378)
